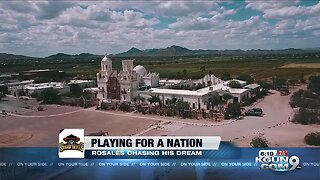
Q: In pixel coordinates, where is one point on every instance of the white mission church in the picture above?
(124, 86)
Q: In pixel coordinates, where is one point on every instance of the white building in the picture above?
(145, 78)
(123, 86)
(61, 87)
(208, 80)
(15, 87)
(83, 83)
(200, 98)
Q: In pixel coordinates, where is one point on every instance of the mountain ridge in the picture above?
(173, 50)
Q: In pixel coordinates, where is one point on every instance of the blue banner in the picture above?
(227, 162)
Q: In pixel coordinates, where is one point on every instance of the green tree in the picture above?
(233, 110)
(227, 96)
(76, 90)
(154, 100)
(234, 84)
(278, 82)
(49, 96)
(214, 102)
(265, 86)
(314, 84)
(178, 74)
(184, 109)
(171, 107)
(184, 72)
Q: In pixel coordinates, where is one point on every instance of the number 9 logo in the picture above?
(294, 161)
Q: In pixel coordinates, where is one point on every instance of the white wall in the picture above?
(242, 96)
(196, 102)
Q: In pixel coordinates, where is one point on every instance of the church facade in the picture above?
(123, 85)
(131, 82)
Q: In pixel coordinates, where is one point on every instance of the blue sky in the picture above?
(42, 28)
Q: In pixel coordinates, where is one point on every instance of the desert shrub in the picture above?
(314, 83)
(40, 108)
(306, 116)
(104, 106)
(305, 99)
(124, 107)
(259, 142)
(169, 112)
(34, 95)
(49, 96)
(313, 138)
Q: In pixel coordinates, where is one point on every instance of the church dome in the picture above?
(140, 70)
(105, 58)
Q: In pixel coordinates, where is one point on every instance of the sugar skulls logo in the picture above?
(71, 142)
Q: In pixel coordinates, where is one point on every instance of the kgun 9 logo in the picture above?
(279, 163)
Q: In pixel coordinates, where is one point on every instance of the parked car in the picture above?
(254, 112)
(284, 93)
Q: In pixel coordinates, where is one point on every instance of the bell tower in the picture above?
(106, 64)
(127, 66)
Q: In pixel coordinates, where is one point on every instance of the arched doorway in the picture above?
(113, 88)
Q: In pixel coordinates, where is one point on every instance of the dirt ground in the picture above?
(40, 129)
(274, 126)
(27, 127)
(301, 65)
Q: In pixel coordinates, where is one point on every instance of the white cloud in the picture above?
(282, 9)
(184, 8)
(42, 28)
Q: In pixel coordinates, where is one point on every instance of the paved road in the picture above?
(182, 121)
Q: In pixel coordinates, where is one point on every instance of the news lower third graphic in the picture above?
(73, 144)
(196, 157)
